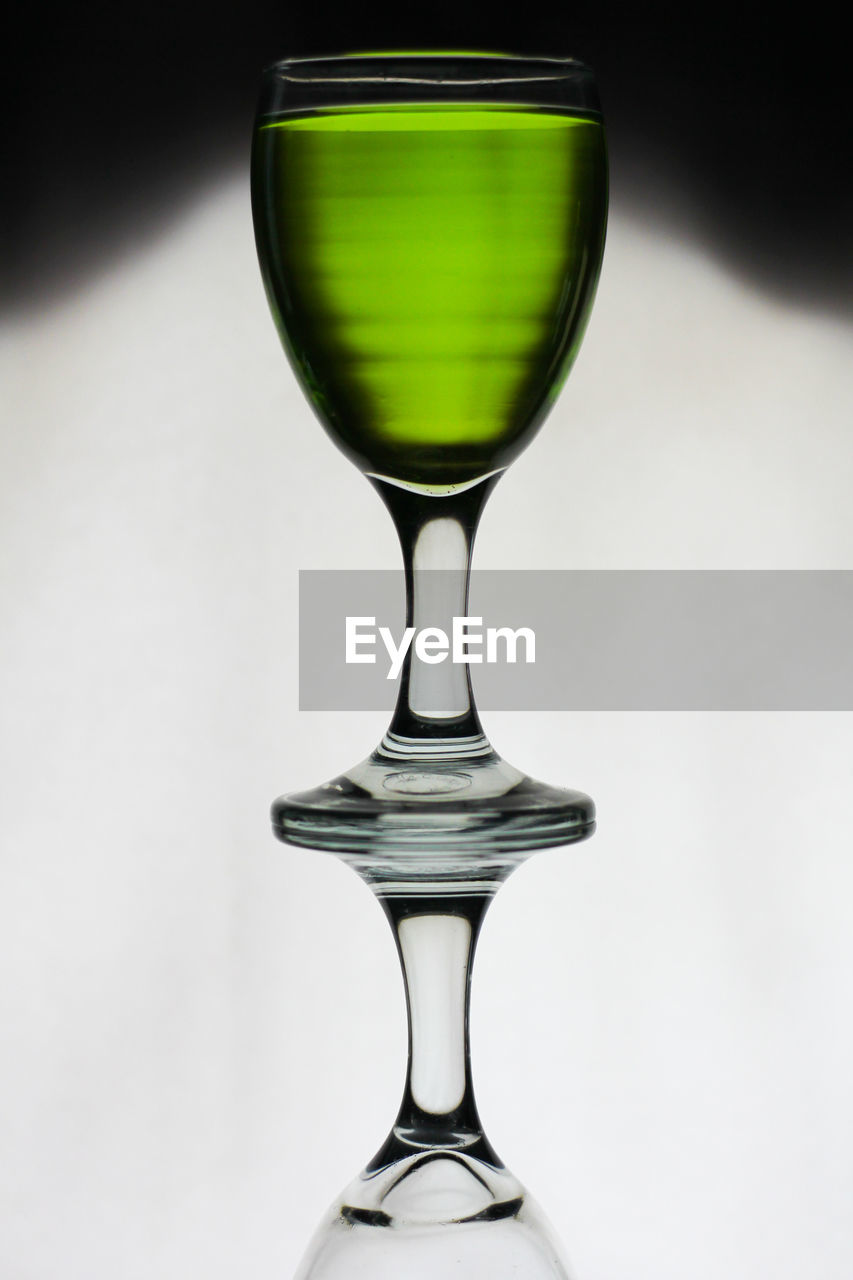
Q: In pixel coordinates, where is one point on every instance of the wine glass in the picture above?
(430, 230)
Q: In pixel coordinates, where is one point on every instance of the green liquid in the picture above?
(431, 269)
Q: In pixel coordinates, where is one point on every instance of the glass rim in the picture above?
(519, 68)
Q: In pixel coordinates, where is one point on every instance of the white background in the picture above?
(202, 1031)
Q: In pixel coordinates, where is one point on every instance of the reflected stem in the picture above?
(436, 937)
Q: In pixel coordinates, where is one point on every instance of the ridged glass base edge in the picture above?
(437, 811)
(445, 851)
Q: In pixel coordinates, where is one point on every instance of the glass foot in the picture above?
(431, 801)
(434, 1214)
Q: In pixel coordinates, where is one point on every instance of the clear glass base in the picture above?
(426, 802)
(438, 1213)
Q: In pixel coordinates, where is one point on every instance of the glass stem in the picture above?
(436, 937)
(435, 708)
